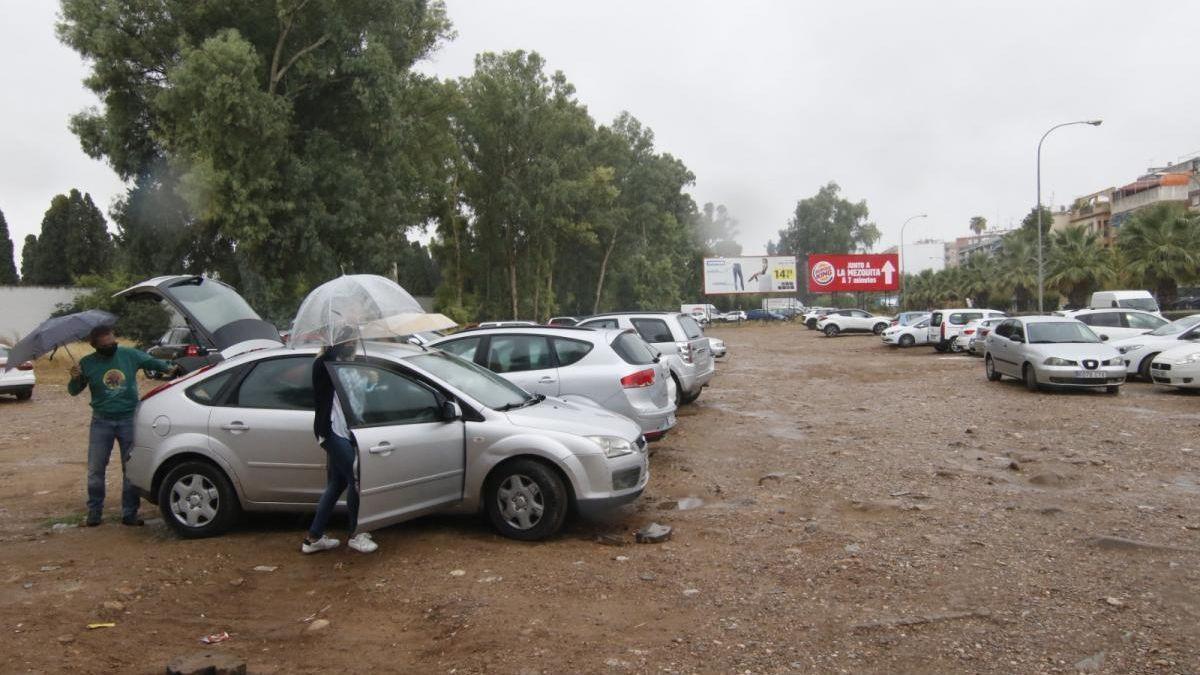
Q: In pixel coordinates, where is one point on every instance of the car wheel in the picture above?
(526, 500)
(1030, 378)
(989, 367)
(678, 396)
(879, 328)
(954, 348)
(1113, 389)
(197, 500)
(940, 347)
(907, 340)
(810, 324)
(1144, 367)
(25, 395)
(831, 330)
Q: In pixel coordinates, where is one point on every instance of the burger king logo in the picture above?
(823, 273)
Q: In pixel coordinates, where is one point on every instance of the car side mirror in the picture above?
(1104, 338)
(451, 411)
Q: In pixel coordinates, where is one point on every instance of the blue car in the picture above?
(764, 315)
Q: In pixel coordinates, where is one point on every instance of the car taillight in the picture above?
(167, 385)
(642, 378)
(968, 331)
(191, 350)
(28, 365)
(685, 351)
(943, 330)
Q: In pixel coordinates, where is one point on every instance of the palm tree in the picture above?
(1161, 248)
(918, 290)
(978, 225)
(979, 278)
(1018, 262)
(1078, 264)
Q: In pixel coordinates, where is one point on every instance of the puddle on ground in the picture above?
(786, 433)
(682, 504)
(1187, 483)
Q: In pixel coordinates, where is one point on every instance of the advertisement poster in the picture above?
(750, 274)
(828, 273)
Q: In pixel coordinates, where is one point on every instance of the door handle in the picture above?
(235, 426)
(381, 449)
(546, 379)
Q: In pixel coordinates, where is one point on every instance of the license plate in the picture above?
(1096, 374)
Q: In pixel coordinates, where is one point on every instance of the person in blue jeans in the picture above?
(336, 439)
(111, 374)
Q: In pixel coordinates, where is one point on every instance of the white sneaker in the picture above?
(363, 543)
(322, 544)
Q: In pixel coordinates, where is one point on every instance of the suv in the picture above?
(814, 314)
(852, 321)
(678, 337)
(946, 324)
(614, 369)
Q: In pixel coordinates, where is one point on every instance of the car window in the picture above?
(464, 348)
(1016, 332)
(214, 305)
(1106, 319)
(1177, 326)
(653, 330)
(375, 396)
(207, 391)
(570, 351)
(475, 381)
(1143, 321)
(279, 384)
(690, 327)
(1004, 328)
(600, 323)
(1145, 304)
(633, 349)
(935, 319)
(518, 353)
(923, 324)
(3, 352)
(861, 314)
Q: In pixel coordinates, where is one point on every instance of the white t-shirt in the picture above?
(338, 419)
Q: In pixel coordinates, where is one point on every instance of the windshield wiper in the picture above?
(535, 399)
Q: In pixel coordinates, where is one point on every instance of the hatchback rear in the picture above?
(680, 340)
(18, 381)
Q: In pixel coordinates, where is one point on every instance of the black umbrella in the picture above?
(57, 332)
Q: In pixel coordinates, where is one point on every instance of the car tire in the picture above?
(536, 504)
(831, 330)
(940, 347)
(678, 391)
(197, 500)
(954, 348)
(879, 328)
(810, 324)
(1030, 377)
(1144, 368)
(25, 395)
(907, 340)
(1112, 389)
(989, 369)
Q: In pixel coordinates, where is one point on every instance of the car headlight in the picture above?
(1189, 359)
(1128, 348)
(612, 445)
(1118, 361)
(1055, 361)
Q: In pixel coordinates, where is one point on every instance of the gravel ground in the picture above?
(838, 506)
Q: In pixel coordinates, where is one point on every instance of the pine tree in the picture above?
(8, 267)
(74, 241)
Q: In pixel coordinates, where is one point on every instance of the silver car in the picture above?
(1051, 350)
(434, 433)
(680, 340)
(615, 369)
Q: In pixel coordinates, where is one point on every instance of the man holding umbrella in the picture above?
(111, 374)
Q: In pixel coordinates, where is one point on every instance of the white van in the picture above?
(1142, 300)
(703, 313)
(946, 324)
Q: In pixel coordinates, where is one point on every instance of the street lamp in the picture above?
(1041, 268)
(900, 304)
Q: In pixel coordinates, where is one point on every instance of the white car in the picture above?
(946, 324)
(1052, 351)
(1139, 351)
(1177, 367)
(506, 324)
(717, 345)
(814, 314)
(19, 381)
(734, 316)
(1117, 323)
(974, 333)
(907, 336)
(852, 321)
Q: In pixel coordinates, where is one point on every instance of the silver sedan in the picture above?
(1054, 351)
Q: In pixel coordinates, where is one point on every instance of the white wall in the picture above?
(22, 308)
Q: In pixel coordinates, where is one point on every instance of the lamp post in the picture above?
(900, 304)
(1041, 268)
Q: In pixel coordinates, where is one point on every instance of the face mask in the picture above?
(107, 350)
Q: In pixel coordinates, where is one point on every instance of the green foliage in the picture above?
(141, 321)
(978, 224)
(8, 266)
(1078, 264)
(1030, 221)
(74, 241)
(1160, 246)
(826, 223)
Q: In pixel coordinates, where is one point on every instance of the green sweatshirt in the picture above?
(113, 381)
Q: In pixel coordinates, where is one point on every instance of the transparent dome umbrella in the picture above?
(360, 306)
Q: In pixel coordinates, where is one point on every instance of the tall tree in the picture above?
(74, 241)
(8, 266)
(978, 224)
(827, 223)
(1030, 221)
(1077, 264)
(1160, 246)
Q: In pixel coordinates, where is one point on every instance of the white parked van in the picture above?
(703, 313)
(946, 324)
(1142, 300)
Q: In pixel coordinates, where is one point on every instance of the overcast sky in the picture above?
(915, 106)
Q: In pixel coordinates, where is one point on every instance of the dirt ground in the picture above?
(838, 507)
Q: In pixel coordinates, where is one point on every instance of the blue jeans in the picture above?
(100, 445)
(339, 478)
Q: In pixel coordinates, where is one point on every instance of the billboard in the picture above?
(828, 273)
(750, 274)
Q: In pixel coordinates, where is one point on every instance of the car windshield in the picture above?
(1177, 326)
(1059, 332)
(475, 381)
(213, 304)
(1145, 304)
(910, 319)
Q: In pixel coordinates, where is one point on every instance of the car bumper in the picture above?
(15, 388)
(1069, 376)
(612, 482)
(1170, 375)
(692, 381)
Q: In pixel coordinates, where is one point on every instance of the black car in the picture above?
(174, 344)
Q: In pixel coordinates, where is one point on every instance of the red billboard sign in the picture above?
(853, 272)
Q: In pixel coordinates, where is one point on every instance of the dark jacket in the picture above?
(323, 392)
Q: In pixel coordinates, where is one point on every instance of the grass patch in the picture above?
(73, 519)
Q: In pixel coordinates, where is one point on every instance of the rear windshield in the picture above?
(690, 327)
(936, 319)
(1145, 304)
(962, 318)
(633, 350)
(214, 305)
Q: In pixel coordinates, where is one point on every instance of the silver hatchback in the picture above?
(434, 433)
(680, 340)
(615, 369)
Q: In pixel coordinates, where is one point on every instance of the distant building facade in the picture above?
(1169, 184)
(959, 251)
(1094, 213)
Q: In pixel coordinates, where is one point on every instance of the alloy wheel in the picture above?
(195, 500)
(520, 501)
